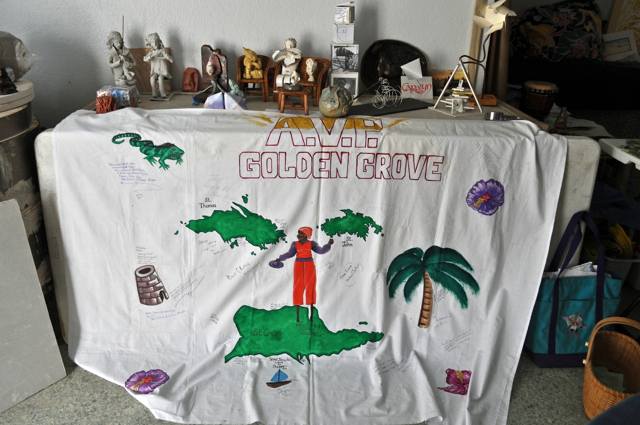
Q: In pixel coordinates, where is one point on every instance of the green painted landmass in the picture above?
(239, 223)
(245, 198)
(276, 332)
(176, 232)
(354, 224)
(363, 323)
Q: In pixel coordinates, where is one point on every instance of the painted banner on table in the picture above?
(242, 266)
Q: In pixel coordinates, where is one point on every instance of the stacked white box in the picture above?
(345, 13)
(343, 33)
(344, 57)
(344, 52)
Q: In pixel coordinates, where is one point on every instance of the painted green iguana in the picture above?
(162, 152)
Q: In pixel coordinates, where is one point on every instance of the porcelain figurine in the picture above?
(121, 61)
(252, 65)
(290, 56)
(159, 68)
(311, 68)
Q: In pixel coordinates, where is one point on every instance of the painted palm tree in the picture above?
(444, 266)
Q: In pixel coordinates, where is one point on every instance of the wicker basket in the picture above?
(617, 352)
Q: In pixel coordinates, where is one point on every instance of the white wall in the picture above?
(70, 36)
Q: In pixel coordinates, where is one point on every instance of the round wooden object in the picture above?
(15, 121)
(541, 86)
(21, 98)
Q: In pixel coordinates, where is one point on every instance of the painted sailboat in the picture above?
(279, 379)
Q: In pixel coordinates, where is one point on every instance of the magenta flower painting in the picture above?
(486, 197)
(146, 382)
(458, 381)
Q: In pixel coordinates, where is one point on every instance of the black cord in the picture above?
(478, 62)
(369, 88)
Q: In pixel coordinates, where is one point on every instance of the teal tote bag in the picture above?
(567, 308)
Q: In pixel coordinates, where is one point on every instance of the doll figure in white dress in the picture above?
(159, 64)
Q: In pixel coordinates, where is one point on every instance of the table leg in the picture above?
(305, 99)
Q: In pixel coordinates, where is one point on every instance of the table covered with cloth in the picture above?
(427, 240)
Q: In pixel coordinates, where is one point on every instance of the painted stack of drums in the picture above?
(151, 290)
(538, 98)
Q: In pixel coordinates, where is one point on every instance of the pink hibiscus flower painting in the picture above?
(458, 381)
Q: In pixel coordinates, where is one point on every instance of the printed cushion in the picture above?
(564, 30)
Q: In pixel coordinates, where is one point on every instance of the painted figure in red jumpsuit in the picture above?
(304, 270)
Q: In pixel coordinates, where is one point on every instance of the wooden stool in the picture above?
(303, 94)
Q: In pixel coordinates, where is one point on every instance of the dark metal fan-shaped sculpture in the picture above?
(384, 58)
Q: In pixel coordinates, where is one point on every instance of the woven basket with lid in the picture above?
(617, 352)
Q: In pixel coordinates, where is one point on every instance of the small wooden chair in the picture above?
(319, 76)
(265, 62)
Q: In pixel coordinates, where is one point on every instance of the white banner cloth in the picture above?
(173, 223)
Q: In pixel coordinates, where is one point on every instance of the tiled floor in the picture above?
(539, 396)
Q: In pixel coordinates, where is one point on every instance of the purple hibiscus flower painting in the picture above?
(458, 381)
(146, 382)
(486, 197)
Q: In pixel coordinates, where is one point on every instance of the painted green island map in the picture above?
(352, 223)
(276, 332)
(239, 223)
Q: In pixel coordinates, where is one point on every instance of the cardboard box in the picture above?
(345, 13)
(343, 33)
(125, 96)
(421, 88)
(348, 80)
(344, 57)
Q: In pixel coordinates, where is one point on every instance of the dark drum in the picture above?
(538, 98)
